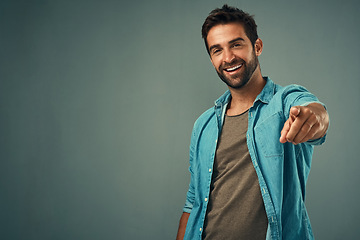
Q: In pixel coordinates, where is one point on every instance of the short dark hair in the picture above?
(226, 15)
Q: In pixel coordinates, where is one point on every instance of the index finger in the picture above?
(295, 127)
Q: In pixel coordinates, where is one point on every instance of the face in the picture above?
(232, 54)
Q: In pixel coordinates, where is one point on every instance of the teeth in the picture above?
(233, 68)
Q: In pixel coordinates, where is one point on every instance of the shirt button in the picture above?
(206, 199)
(209, 169)
(200, 229)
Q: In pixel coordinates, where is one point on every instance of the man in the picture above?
(250, 154)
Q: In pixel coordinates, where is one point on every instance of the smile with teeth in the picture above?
(233, 68)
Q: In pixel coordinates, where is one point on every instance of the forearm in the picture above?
(182, 226)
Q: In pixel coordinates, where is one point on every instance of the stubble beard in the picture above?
(243, 77)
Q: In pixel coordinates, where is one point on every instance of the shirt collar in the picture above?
(224, 99)
(268, 91)
(265, 96)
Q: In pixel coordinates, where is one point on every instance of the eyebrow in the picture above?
(232, 41)
(237, 39)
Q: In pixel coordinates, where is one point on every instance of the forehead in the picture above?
(223, 33)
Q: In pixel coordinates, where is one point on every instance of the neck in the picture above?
(243, 98)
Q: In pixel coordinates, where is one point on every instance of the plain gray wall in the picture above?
(98, 99)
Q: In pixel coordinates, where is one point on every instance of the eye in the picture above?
(216, 51)
(236, 45)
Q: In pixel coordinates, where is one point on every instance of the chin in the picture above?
(236, 84)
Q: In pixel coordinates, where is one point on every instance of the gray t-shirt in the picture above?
(235, 209)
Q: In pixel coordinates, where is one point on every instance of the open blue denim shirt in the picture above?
(282, 169)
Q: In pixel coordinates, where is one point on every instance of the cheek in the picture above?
(216, 63)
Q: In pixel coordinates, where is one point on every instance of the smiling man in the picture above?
(250, 154)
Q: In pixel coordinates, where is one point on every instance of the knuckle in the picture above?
(306, 110)
(307, 126)
(313, 117)
(304, 129)
(313, 132)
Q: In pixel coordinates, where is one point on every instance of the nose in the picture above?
(228, 56)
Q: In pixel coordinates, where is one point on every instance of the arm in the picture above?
(182, 226)
(305, 123)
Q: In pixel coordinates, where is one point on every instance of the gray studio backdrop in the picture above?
(98, 98)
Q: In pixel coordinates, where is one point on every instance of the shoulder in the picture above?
(209, 114)
(292, 93)
(273, 92)
(289, 89)
(204, 118)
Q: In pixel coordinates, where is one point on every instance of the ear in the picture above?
(258, 47)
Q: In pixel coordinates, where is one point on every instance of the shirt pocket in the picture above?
(267, 135)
